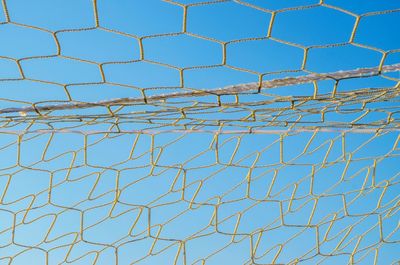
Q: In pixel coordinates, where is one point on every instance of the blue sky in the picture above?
(51, 51)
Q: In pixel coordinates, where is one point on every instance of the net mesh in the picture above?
(290, 165)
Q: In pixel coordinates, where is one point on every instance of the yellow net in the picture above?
(152, 158)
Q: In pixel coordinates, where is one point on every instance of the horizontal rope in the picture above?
(183, 131)
(228, 90)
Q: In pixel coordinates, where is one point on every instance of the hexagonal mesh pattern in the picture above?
(199, 132)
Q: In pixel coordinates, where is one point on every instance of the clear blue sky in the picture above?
(52, 51)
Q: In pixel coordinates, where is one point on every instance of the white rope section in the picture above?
(214, 132)
(229, 90)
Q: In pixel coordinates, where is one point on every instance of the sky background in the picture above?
(52, 51)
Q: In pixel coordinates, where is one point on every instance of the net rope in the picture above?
(297, 167)
(230, 90)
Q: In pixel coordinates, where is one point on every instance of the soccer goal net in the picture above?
(199, 132)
